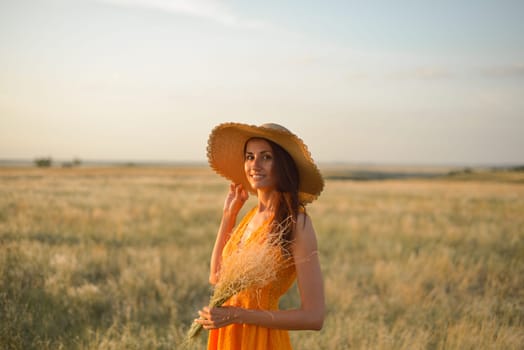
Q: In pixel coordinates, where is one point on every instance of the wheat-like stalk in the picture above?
(254, 265)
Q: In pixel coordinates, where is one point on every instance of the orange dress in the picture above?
(252, 337)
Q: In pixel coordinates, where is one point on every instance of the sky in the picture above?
(376, 82)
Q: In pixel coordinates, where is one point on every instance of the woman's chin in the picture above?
(261, 187)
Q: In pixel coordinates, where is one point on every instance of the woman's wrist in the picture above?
(229, 217)
(226, 226)
(250, 316)
(238, 315)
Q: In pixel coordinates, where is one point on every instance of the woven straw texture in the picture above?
(225, 153)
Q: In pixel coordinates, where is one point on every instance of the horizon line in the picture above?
(57, 162)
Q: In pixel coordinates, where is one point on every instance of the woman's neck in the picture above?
(266, 201)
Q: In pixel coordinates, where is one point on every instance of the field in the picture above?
(117, 258)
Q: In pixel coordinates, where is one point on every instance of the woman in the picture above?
(276, 165)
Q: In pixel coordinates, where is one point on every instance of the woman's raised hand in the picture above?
(235, 199)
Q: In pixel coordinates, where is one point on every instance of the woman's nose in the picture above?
(256, 162)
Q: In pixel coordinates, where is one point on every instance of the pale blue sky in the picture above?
(407, 82)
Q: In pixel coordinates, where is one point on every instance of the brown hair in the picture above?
(288, 204)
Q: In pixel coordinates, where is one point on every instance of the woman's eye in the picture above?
(267, 157)
(249, 157)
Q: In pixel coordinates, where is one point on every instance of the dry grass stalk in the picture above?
(253, 265)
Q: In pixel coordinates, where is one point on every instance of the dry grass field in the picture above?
(117, 258)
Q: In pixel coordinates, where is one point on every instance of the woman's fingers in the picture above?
(240, 192)
(240, 195)
(211, 318)
(244, 194)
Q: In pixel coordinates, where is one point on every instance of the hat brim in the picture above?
(225, 152)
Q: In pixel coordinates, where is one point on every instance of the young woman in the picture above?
(274, 164)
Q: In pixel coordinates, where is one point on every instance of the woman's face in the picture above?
(258, 164)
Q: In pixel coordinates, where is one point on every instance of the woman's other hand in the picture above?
(217, 317)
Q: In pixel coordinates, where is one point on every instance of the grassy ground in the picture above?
(113, 258)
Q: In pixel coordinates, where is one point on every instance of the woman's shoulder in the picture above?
(303, 221)
(305, 240)
(302, 214)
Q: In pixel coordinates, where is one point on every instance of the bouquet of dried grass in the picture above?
(253, 265)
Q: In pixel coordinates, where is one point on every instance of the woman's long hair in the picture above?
(287, 204)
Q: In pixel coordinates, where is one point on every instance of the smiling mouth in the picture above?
(257, 177)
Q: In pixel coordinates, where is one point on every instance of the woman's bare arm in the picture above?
(310, 315)
(235, 199)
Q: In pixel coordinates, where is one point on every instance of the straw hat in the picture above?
(225, 153)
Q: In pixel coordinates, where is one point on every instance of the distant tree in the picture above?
(43, 162)
(77, 162)
(74, 163)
